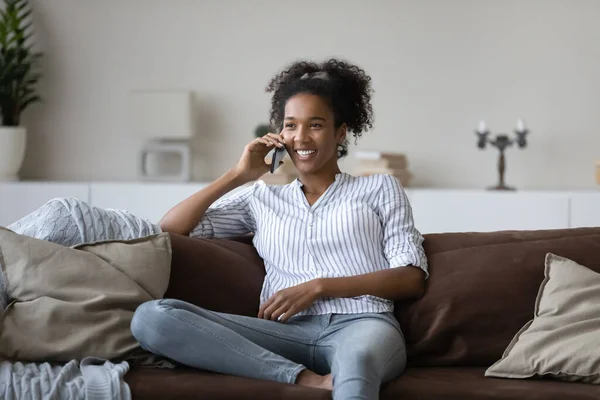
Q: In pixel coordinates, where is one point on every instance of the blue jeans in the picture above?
(361, 351)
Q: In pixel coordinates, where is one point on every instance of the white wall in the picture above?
(438, 66)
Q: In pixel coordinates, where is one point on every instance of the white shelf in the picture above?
(19, 198)
(585, 209)
(146, 200)
(435, 210)
(484, 211)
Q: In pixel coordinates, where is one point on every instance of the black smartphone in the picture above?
(278, 155)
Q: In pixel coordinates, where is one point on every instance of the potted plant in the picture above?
(18, 79)
(262, 129)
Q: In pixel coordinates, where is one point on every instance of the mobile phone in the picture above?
(278, 155)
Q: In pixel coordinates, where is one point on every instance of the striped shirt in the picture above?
(358, 225)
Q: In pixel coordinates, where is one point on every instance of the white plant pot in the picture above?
(13, 140)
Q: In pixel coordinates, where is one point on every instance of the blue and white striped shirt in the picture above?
(359, 225)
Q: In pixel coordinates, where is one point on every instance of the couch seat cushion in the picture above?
(463, 383)
(190, 384)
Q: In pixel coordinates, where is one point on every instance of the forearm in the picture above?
(392, 284)
(185, 216)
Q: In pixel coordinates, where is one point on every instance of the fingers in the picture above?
(264, 306)
(269, 143)
(288, 313)
(273, 308)
(261, 146)
(277, 140)
(265, 141)
(261, 310)
(278, 308)
(279, 312)
(276, 136)
(270, 311)
(269, 140)
(282, 314)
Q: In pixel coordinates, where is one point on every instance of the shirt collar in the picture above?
(342, 176)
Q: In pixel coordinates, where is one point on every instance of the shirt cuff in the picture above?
(204, 229)
(409, 259)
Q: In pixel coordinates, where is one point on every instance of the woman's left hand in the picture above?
(288, 302)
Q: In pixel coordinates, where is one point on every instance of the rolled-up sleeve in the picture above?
(402, 242)
(231, 215)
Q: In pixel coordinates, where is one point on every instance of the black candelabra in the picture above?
(502, 141)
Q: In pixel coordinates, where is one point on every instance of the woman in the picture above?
(333, 247)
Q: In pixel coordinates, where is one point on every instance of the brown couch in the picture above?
(481, 292)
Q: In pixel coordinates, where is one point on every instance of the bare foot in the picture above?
(328, 382)
(310, 379)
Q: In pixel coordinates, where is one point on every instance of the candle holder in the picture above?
(502, 141)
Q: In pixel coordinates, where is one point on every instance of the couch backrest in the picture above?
(482, 290)
(218, 274)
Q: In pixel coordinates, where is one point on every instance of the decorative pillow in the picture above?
(563, 339)
(71, 303)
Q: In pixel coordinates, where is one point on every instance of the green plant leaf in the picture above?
(28, 101)
(25, 15)
(18, 60)
(26, 27)
(21, 4)
(26, 38)
(32, 79)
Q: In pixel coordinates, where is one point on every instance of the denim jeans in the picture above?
(361, 351)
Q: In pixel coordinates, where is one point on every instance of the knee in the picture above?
(153, 321)
(366, 361)
(59, 203)
(360, 358)
(59, 209)
(45, 222)
(147, 323)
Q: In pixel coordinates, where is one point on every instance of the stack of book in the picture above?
(379, 162)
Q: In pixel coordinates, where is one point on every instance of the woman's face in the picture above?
(310, 135)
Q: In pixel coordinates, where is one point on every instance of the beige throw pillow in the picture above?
(70, 303)
(563, 339)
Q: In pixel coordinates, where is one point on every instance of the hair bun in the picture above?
(316, 75)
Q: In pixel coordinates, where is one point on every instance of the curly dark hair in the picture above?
(346, 87)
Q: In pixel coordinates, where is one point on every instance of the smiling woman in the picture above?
(338, 251)
(314, 107)
(345, 88)
(310, 135)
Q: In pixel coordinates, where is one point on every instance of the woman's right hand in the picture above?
(252, 164)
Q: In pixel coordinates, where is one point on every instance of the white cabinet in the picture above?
(435, 210)
(146, 200)
(585, 209)
(480, 211)
(18, 199)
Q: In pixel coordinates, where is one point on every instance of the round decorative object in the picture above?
(13, 140)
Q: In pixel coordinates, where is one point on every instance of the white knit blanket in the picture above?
(92, 379)
(70, 222)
